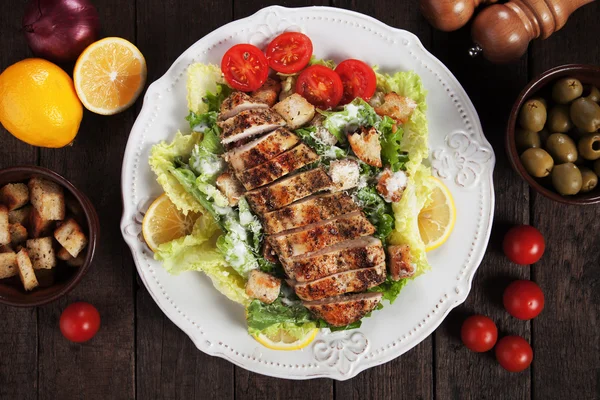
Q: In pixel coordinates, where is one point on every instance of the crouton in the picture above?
(70, 236)
(397, 107)
(77, 261)
(4, 225)
(39, 226)
(8, 265)
(230, 187)
(5, 248)
(268, 93)
(20, 216)
(14, 195)
(63, 254)
(47, 198)
(344, 173)
(45, 277)
(391, 185)
(262, 286)
(41, 253)
(18, 234)
(366, 146)
(400, 262)
(25, 270)
(296, 111)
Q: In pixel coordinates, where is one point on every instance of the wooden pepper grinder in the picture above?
(502, 32)
(450, 15)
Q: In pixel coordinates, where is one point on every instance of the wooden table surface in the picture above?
(139, 353)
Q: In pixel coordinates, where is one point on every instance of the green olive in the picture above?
(566, 90)
(544, 134)
(591, 93)
(537, 162)
(597, 167)
(589, 179)
(566, 179)
(562, 148)
(541, 100)
(585, 114)
(559, 119)
(533, 115)
(526, 139)
(589, 146)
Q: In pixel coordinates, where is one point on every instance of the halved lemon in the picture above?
(282, 340)
(437, 218)
(163, 222)
(109, 75)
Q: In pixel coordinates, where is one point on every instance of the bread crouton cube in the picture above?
(41, 253)
(366, 146)
(25, 269)
(4, 225)
(345, 173)
(70, 236)
(14, 195)
(296, 111)
(45, 277)
(20, 216)
(38, 225)
(400, 262)
(230, 187)
(47, 198)
(262, 286)
(18, 234)
(8, 265)
(397, 107)
(6, 248)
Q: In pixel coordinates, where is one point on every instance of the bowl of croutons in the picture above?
(48, 233)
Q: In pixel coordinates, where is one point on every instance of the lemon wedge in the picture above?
(437, 218)
(281, 340)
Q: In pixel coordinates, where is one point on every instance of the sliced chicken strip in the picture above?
(286, 191)
(308, 211)
(315, 237)
(344, 310)
(249, 123)
(238, 102)
(261, 150)
(357, 280)
(279, 166)
(364, 252)
(268, 93)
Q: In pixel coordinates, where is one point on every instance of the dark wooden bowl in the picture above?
(11, 292)
(541, 86)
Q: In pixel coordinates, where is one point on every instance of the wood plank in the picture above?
(565, 341)
(104, 367)
(459, 372)
(168, 365)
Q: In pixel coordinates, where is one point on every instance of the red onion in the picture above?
(60, 30)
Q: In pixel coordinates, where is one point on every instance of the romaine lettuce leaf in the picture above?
(308, 136)
(294, 319)
(201, 80)
(391, 141)
(377, 211)
(356, 114)
(319, 61)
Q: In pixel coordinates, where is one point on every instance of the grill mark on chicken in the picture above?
(238, 102)
(257, 151)
(249, 123)
(344, 310)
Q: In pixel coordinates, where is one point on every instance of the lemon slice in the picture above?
(109, 75)
(282, 340)
(163, 222)
(436, 219)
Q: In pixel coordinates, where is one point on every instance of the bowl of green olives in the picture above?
(553, 134)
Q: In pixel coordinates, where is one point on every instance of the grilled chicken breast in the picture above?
(286, 191)
(279, 166)
(238, 102)
(268, 93)
(249, 123)
(357, 280)
(261, 150)
(316, 236)
(344, 310)
(364, 252)
(308, 211)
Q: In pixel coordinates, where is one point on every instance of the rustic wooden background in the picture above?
(139, 353)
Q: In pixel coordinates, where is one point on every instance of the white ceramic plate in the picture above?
(460, 155)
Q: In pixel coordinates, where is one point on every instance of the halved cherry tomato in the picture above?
(321, 86)
(523, 299)
(245, 67)
(479, 333)
(289, 52)
(524, 245)
(514, 353)
(358, 78)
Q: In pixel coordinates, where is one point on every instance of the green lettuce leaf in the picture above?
(323, 149)
(354, 115)
(202, 80)
(377, 211)
(390, 289)
(319, 61)
(391, 141)
(269, 318)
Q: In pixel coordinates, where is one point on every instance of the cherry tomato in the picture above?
(321, 86)
(245, 67)
(479, 333)
(523, 244)
(289, 52)
(79, 322)
(514, 353)
(523, 299)
(358, 78)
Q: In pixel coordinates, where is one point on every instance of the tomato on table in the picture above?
(79, 322)
(289, 52)
(514, 353)
(524, 244)
(321, 86)
(523, 299)
(479, 333)
(245, 67)
(358, 78)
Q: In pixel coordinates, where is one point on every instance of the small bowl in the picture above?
(14, 295)
(541, 85)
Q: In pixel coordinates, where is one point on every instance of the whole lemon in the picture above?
(38, 103)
